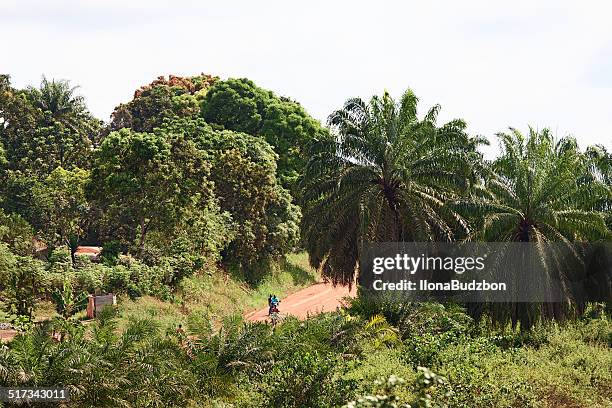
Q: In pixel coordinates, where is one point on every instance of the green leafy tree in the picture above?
(539, 189)
(601, 169)
(18, 126)
(385, 175)
(57, 129)
(18, 123)
(146, 182)
(162, 99)
(243, 170)
(240, 105)
(67, 302)
(62, 207)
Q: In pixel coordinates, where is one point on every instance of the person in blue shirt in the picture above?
(273, 302)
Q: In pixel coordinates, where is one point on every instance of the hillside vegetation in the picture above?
(206, 195)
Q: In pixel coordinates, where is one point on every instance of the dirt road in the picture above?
(321, 297)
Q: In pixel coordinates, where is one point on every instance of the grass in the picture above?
(216, 295)
(566, 364)
(566, 372)
(563, 369)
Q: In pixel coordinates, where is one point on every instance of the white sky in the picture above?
(494, 64)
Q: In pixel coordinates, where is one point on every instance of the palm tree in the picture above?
(73, 127)
(538, 191)
(601, 169)
(58, 98)
(383, 175)
(100, 366)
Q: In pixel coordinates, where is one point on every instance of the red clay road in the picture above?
(320, 297)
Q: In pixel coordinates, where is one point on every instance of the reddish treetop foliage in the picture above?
(191, 84)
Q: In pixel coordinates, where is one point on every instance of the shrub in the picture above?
(306, 379)
(385, 396)
(117, 279)
(21, 282)
(16, 233)
(68, 301)
(110, 252)
(60, 259)
(89, 277)
(96, 363)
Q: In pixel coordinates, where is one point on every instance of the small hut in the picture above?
(96, 303)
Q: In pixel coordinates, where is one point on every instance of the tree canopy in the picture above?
(243, 170)
(45, 127)
(147, 181)
(197, 170)
(540, 190)
(383, 175)
(62, 210)
(162, 99)
(240, 105)
(42, 128)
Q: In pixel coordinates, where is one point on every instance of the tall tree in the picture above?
(539, 189)
(175, 97)
(144, 182)
(66, 127)
(384, 175)
(243, 169)
(41, 129)
(62, 210)
(240, 105)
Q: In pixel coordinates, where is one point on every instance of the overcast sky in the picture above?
(539, 63)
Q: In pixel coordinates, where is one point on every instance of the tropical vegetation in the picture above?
(206, 194)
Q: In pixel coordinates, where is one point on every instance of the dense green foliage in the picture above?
(42, 129)
(45, 127)
(243, 171)
(158, 183)
(151, 184)
(162, 99)
(240, 105)
(144, 182)
(386, 176)
(539, 191)
(199, 187)
(327, 361)
(16, 233)
(20, 282)
(61, 206)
